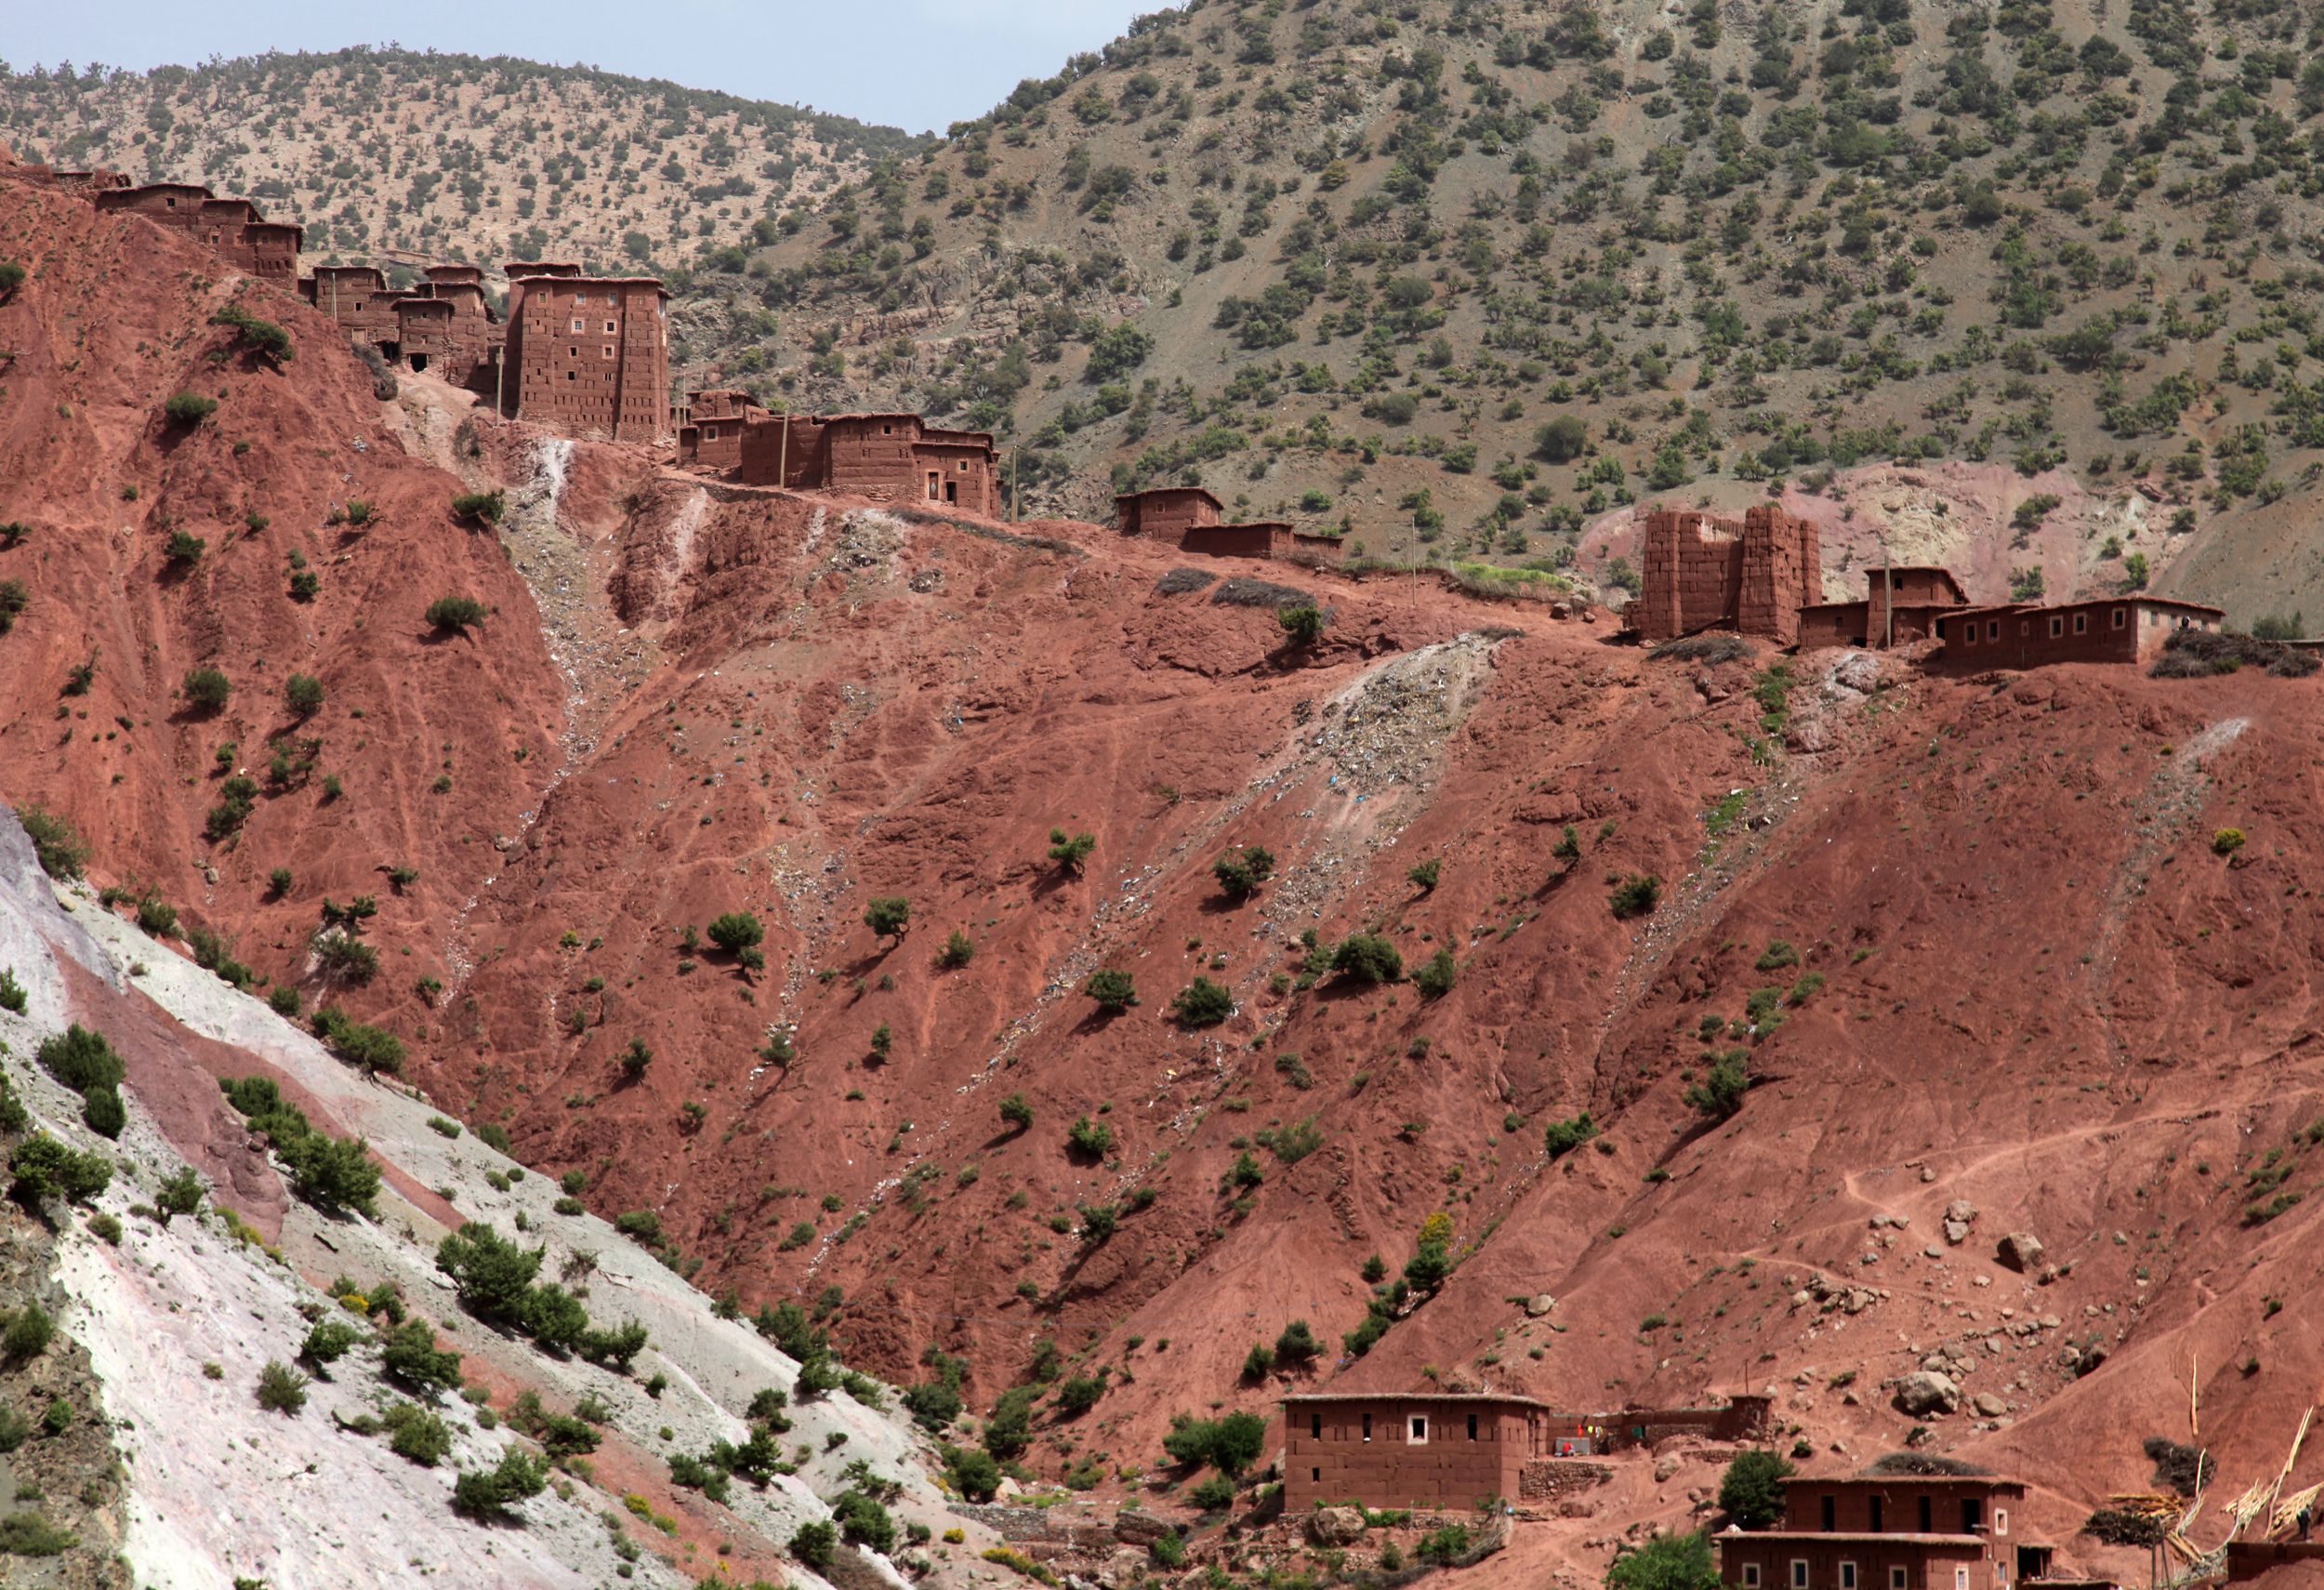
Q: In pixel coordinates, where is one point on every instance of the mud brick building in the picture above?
(231, 228)
(710, 428)
(1889, 1531)
(1751, 575)
(889, 457)
(2107, 628)
(1166, 510)
(1901, 606)
(443, 324)
(587, 355)
(1437, 1449)
(1454, 1450)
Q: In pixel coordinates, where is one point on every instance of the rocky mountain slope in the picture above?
(407, 157)
(1924, 962)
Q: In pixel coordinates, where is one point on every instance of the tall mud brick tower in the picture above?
(1751, 575)
(588, 355)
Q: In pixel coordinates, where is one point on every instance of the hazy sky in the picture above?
(918, 64)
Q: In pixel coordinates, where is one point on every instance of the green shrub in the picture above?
(302, 692)
(814, 1544)
(103, 1113)
(62, 853)
(448, 615)
(43, 1169)
(412, 1359)
(1260, 1362)
(482, 507)
(1635, 895)
(1112, 990)
(1368, 958)
(889, 916)
(2226, 842)
(206, 689)
(30, 1330)
(189, 408)
(1016, 1112)
(1423, 875)
(11, 278)
(14, 599)
(736, 932)
(1777, 955)
(1301, 625)
(261, 336)
(959, 950)
(81, 1059)
(29, 1534)
(1089, 1139)
(327, 1342)
(12, 994)
(486, 1495)
(1720, 1093)
(416, 1434)
(282, 1390)
(1435, 979)
(1751, 1491)
(181, 1193)
(1070, 852)
(1665, 1562)
(1213, 1496)
(1202, 1003)
(1563, 1137)
(1241, 871)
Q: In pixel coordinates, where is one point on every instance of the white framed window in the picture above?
(2057, 627)
(1847, 1576)
(1799, 1573)
(1417, 1435)
(577, 326)
(2081, 623)
(610, 327)
(1993, 629)
(1751, 1576)
(2001, 1520)
(1960, 1579)
(1895, 1579)
(605, 350)
(2118, 617)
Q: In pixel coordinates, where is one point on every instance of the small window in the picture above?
(1315, 1427)
(605, 350)
(1799, 1573)
(610, 327)
(1960, 1579)
(1751, 1576)
(1847, 1576)
(577, 326)
(1895, 1579)
(1472, 1427)
(2001, 1520)
(1419, 1436)
(2118, 617)
(1832, 1514)
(1877, 1510)
(1993, 629)
(887, 430)
(1367, 1426)
(2057, 627)
(1315, 1475)
(2081, 623)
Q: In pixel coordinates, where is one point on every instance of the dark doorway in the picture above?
(420, 361)
(952, 491)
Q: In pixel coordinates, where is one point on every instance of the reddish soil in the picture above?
(2042, 990)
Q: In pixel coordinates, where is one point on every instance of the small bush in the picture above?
(1368, 958)
(62, 853)
(486, 1495)
(1202, 1003)
(1070, 852)
(1112, 990)
(482, 507)
(282, 1390)
(1435, 979)
(449, 614)
(1563, 1137)
(1423, 875)
(416, 1434)
(889, 916)
(189, 408)
(206, 689)
(1089, 1139)
(1241, 871)
(1016, 1112)
(14, 599)
(736, 932)
(328, 1342)
(29, 1534)
(2226, 842)
(1302, 626)
(30, 1330)
(1635, 895)
(1720, 1093)
(959, 950)
(302, 692)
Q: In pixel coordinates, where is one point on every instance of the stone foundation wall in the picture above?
(1546, 1479)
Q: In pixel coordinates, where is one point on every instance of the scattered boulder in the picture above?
(1126, 1567)
(1959, 1215)
(1925, 1394)
(1540, 1303)
(1335, 1527)
(2021, 1250)
(1989, 1406)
